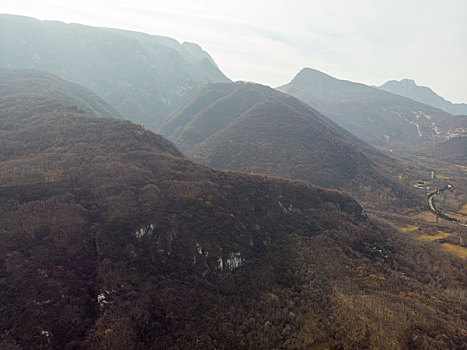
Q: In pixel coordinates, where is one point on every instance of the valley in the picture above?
(423, 223)
(430, 200)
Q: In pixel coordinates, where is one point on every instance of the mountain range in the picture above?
(145, 77)
(452, 146)
(254, 128)
(256, 218)
(111, 238)
(408, 88)
(374, 115)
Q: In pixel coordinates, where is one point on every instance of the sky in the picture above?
(269, 41)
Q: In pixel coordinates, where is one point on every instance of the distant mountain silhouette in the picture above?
(253, 128)
(376, 116)
(145, 77)
(408, 88)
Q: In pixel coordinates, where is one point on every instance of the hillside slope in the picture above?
(453, 147)
(254, 128)
(37, 85)
(376, 116)
(144, 77)
(408, 88)
(110, 239)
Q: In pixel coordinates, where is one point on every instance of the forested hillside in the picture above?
(110, 239)
(254, 128)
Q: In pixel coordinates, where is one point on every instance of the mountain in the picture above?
(253, 128)
(408, 88)
(44, 86)
(145, 77)
(453, 148)
(376, 116)
(109, 238)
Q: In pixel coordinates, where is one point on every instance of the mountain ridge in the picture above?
(408, 88)
(254, 128)
(49, 86)
(378, 117)
(144, 77)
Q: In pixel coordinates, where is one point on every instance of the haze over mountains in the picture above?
(376, 116)
(109, 238)
(452, 146)
(145, 77)
(408, 88)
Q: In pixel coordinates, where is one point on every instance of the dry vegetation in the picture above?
(253, 128)
(109, 239)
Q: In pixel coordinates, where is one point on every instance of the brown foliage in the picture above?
(121, 248)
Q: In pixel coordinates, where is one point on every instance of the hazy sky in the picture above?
(269, 41)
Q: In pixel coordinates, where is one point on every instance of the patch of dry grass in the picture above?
(427, 216)
(457, 250)
(440, 235)
(463, 210)
(409, 228)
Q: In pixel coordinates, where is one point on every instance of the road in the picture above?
(430, 198)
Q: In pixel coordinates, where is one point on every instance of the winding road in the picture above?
(430, 198)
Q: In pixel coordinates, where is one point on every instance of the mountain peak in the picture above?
(370, 113)
(406, 83)
(308, 73)
(195, 54)
(408, 88)
(409, 82)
